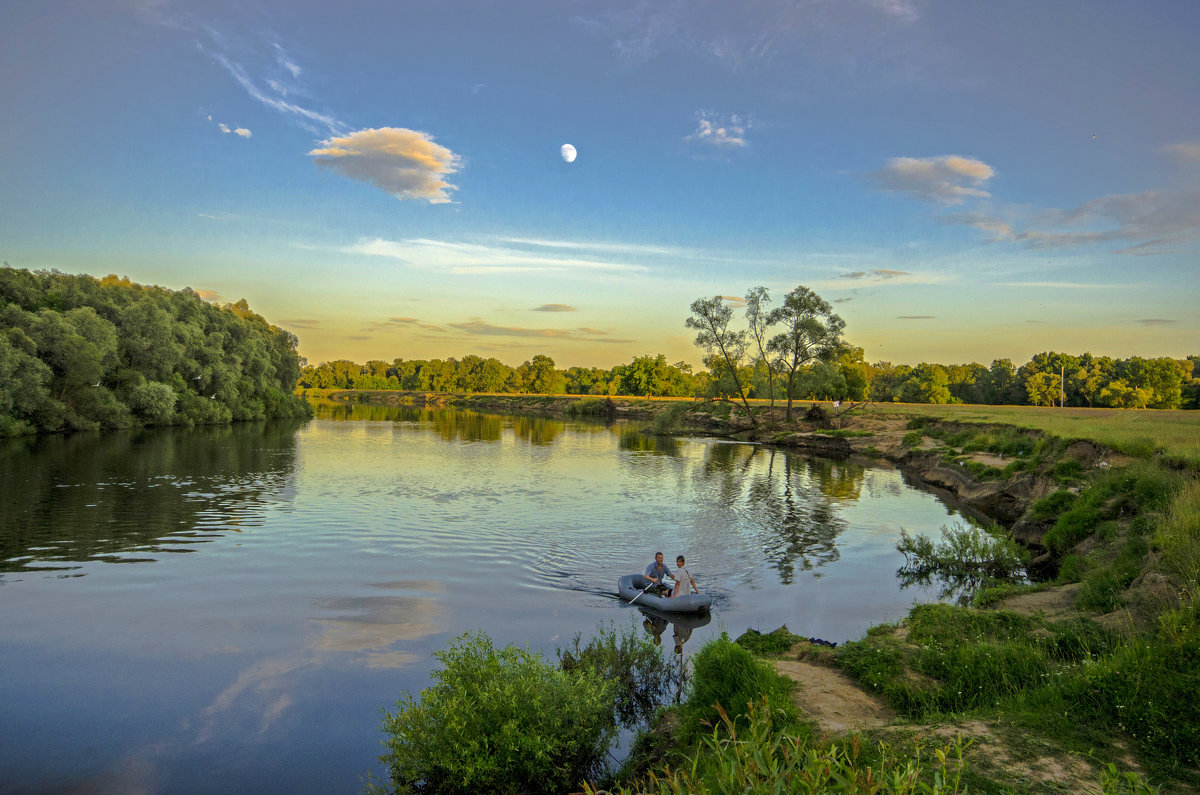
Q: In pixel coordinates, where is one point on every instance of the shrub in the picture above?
(499, 720)
(727, 676)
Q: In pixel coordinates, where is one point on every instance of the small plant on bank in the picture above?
(727, 676)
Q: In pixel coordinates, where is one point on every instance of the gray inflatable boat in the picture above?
(631, 585)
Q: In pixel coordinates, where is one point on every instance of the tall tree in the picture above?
(811, 332)
(710, 317)
(758, 318)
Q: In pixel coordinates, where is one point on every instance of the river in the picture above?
(231, 609)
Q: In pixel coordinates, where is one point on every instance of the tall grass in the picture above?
(1178, 538)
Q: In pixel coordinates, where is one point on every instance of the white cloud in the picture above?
(405, 163)
(472, 258)
(721, 132)
(945, 179)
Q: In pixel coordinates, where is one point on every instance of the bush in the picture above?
(726, 677)
(499, 720)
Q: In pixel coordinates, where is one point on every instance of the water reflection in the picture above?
(634, 441)
(682, 624)
(452, 425)
(102, 496)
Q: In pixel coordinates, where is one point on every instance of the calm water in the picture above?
(231, 609)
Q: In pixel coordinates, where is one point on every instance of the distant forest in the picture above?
(79, 353)
(1097, 381)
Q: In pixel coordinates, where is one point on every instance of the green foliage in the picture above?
(79, 353)
(1147, 691)
(1054, 504)
(632, 664)
(1177, 536)
(726, 675)
(913, 438)
(1137, 488)
(968, 659)
(1067, 470)
(499, 720)
(668, 420)
(774, 643)
(763, 753)
(588, 407)
(1102, 586)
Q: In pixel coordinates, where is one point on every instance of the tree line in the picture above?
(793, 351)
(80, 353)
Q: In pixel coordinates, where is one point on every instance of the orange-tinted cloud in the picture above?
(405, 163)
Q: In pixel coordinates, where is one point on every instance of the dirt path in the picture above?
(832, 699)
(838, 706)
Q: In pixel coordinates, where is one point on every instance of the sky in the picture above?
(962, 181)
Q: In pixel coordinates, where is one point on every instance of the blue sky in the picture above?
(964, 181)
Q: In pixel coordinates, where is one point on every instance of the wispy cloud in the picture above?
(718, 131)
(945, 179)
(736, 300)
(1188, 151)
(900, 9)
(308, 323)
(584, 245)
(405, 163)
(473, 258)
(878, 277)
(1063, 285)
(1157, 321)
(272, 92)
(209, 295)
(916, 317)
(554, 308)
(482, 328)
(402, 322)
(876, 273)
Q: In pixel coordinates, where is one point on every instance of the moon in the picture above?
(568, 153)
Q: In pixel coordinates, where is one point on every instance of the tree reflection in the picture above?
(537, 430)
(793, 504)
(464, 426)
(86, 496)
(634, 441)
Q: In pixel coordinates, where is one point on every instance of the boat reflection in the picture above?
(682, 624)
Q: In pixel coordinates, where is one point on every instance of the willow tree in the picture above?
(811, 332)
(710, 317)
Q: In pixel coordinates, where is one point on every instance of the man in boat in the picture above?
(683, 579)
(656, 571)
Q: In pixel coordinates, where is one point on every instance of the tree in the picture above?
(811, 332)
(1043, 389)
(710, 317)
(759, 322)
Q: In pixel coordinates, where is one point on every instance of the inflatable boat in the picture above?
(631, 585)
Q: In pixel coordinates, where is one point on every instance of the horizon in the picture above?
(963, 184)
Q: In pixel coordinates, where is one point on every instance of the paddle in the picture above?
(634, 599)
